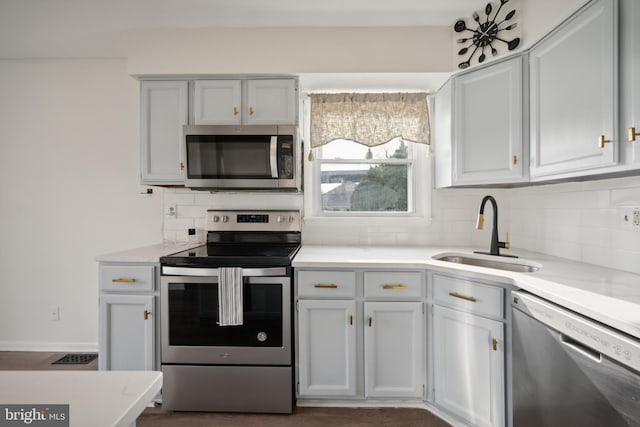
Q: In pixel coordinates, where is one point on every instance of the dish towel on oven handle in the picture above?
(230, 296)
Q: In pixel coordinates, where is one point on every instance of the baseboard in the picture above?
(61, 347)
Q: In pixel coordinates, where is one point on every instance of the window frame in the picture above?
(411, 179)
(419, 186)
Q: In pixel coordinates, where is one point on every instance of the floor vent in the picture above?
(76, 359)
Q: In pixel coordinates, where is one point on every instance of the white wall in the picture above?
(69, 175)
(289, 50)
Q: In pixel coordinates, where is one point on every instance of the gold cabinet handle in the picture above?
(251, 111)
(464, 297)
(494, 343)
(632, 134)
(325, 286)
(123, 280)
(351, 320)
(235, 111)
(146, 314)
(399, 287)
(370, 321)
(515, 160)
(602, 141)
(181, 166)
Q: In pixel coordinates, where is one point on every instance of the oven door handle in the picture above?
(214, 272)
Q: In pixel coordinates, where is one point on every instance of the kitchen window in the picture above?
(368, 155)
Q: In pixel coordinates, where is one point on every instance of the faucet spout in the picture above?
(496, 244)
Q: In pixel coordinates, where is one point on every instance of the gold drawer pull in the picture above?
(632, 134)
(124, 280)
(394, 287)
(464, 297)
(146, 314)
(325, 286)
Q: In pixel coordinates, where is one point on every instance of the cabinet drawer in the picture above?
(396, 285)
(127, 278)
(469, 296)
(327, 284)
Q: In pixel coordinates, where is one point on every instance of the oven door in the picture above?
(191, 333)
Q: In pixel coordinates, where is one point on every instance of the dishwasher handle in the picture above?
(577, 346)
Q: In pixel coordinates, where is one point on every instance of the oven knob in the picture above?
(280, 218)
(225, 218)
(291, 218)
(215, 218)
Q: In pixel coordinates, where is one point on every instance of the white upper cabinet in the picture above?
(217, 102)
(253, 102)
(164, 109)
(479, 135)
(271, 101)
(630, 83)
(573, 95)
(488, 124)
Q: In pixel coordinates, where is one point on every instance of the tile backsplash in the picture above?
(578, 220)
(581, 221)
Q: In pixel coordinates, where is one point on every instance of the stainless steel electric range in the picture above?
(241, 368)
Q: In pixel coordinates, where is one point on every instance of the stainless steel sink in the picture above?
(510, 264)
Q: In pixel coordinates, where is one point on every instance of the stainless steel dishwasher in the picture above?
(569, 370)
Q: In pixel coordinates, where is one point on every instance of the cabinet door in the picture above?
(574, 95)
(126, 332)
(326, 348)
(394, 343)
(630, 82)
(217, 102)
(271, 102)
(163, 112)
(469, 366)
(488, 109)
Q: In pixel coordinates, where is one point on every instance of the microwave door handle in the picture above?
(274, 157)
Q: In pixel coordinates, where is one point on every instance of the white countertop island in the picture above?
(95, 398)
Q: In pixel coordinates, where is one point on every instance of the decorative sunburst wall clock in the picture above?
(488, 33)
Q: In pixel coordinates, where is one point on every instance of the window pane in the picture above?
(345, 149)
(369, 187)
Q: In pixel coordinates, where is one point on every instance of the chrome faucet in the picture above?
(495, 243)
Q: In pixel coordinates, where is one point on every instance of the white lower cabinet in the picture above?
(469, 377)
(327, 348)
(126, 332)
(394, 337)
(128, 323)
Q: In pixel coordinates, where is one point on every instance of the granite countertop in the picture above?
(606, 295)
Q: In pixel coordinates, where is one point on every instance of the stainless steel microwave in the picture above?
(241, 157)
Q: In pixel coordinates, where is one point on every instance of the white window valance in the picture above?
(369, 118)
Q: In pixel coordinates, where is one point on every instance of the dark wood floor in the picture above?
(308, 417)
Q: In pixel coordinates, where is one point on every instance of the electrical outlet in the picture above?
(630, 217)
(172, 210)
(55, 314)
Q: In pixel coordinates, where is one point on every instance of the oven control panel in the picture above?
(245, 220)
